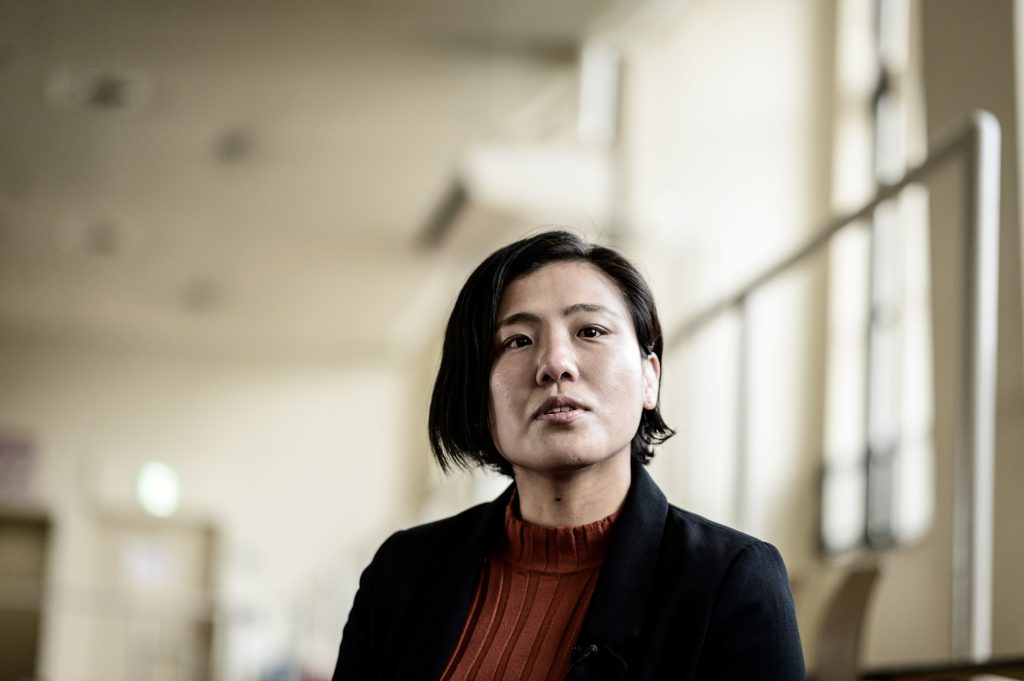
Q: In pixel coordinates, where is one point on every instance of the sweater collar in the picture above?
(553, 550)
(615, 614)
(623, 587)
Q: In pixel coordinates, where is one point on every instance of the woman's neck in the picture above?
(573, 498)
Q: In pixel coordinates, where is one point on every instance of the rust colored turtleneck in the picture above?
(530, 602)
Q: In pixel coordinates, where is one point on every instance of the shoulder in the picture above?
(700, 532)
(721, 553)
(743, 590)
(447, 536)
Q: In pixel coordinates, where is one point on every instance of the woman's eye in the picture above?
(516, 342)
(590, 332)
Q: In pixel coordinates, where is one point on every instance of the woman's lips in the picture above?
(561, 416)
(560, 409)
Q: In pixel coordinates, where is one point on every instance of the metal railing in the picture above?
(973, 485)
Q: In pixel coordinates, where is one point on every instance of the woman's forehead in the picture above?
(560, 284)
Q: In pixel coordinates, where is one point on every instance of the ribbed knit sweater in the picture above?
(530, 602)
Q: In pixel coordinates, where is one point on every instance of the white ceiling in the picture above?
(262, 180)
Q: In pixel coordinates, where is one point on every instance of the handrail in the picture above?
(948, 148)
(971, 597)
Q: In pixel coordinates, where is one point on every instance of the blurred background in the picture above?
(231, 232)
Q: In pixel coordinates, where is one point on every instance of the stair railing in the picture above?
(973, 485)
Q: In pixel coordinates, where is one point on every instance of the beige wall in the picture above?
(294, 464)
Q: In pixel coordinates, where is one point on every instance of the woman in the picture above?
(581, 570)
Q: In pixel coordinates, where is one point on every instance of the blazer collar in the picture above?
(453, 597)
(616, 609)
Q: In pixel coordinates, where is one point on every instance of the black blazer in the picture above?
(678, 597)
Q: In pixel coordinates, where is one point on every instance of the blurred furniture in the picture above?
(837, 657)
(1007, 668)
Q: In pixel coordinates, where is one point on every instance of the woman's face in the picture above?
(569, 382)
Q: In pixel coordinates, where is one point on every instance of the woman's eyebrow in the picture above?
(529, 317)
(517, 318)
(585, 307)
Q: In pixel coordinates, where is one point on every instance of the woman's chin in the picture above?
(564, 463)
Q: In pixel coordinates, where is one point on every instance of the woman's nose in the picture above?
(557, 362)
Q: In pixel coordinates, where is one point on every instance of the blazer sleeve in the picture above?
(358, 654)
(752, 633)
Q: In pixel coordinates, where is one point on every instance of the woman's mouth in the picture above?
(560, 409)
(560, 415)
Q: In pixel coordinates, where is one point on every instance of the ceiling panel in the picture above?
(236, 171)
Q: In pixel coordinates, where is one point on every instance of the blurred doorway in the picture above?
(23, 552)
(155, 577)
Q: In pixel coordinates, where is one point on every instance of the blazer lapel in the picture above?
(615, 615)
(452, 584)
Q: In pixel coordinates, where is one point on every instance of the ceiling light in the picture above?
(157, 489)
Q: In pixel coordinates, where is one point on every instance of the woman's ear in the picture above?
(652, 380)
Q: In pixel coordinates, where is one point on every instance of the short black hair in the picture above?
(458, 422)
